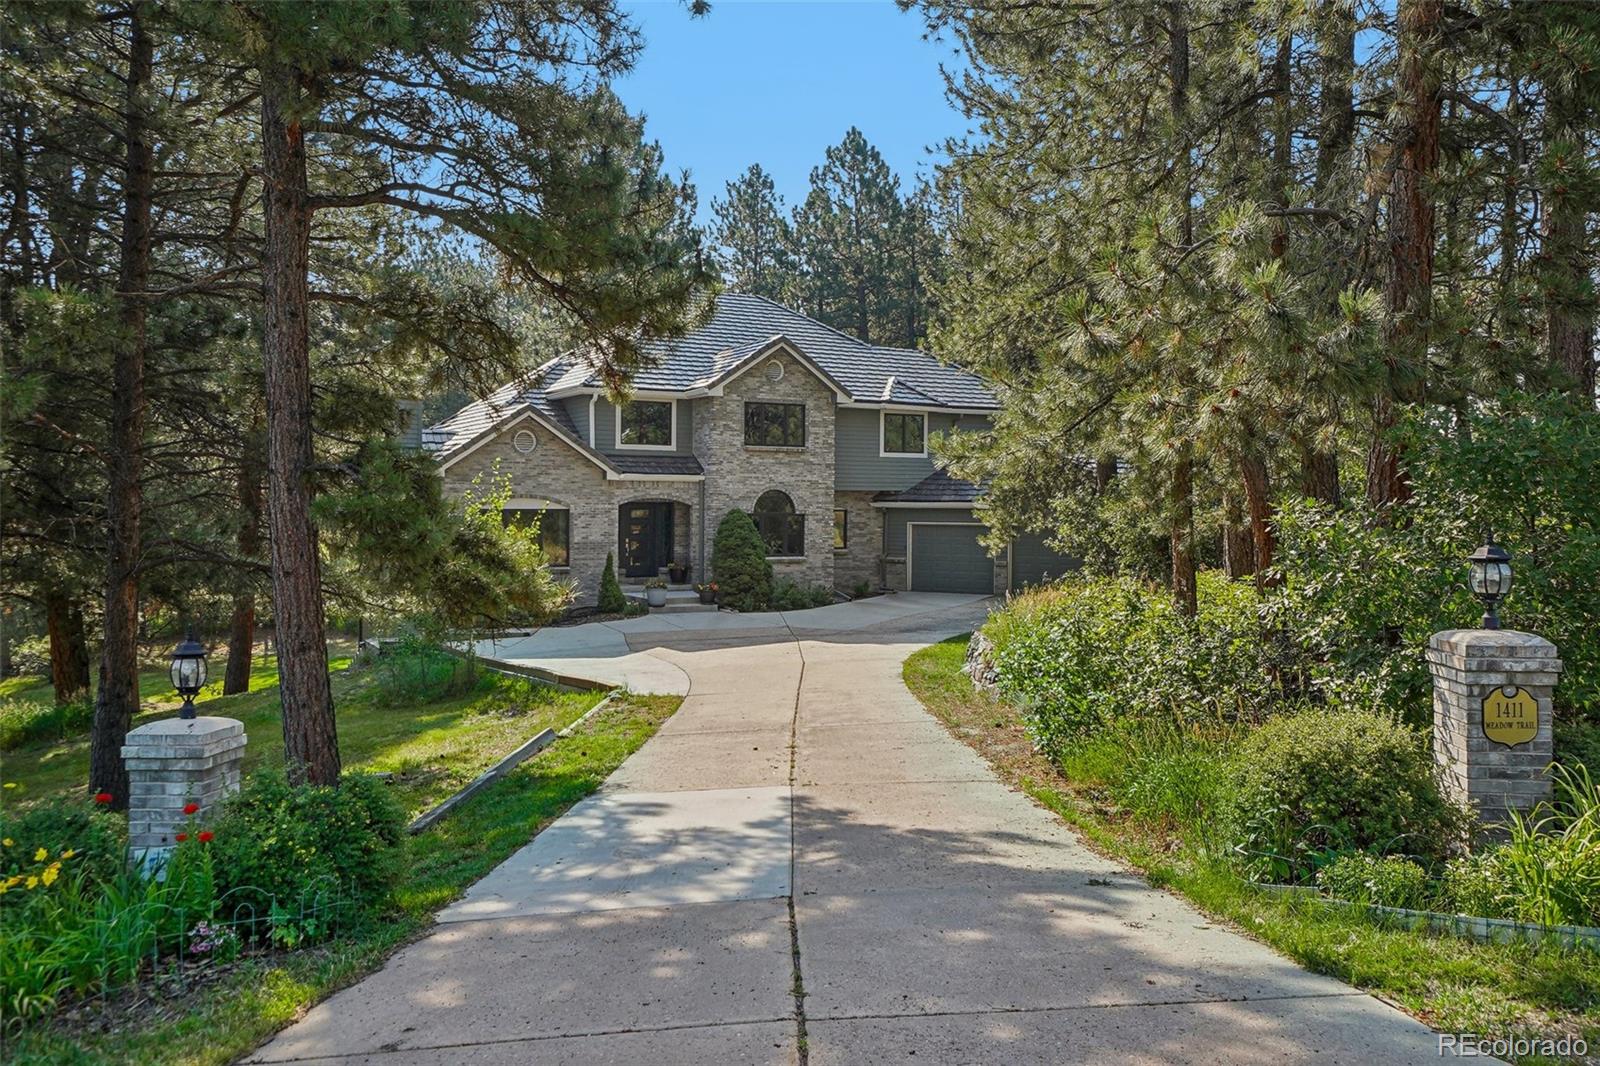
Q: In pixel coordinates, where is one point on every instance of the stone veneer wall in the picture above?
(862, 559)
(561, 476)
(736, 474)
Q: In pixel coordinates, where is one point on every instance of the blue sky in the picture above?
(776, 83)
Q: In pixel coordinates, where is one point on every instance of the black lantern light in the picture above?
(188, 672)
(1489, 577)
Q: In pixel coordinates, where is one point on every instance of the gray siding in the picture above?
(860, 468)
(1033, 562)
(578, 410)
(895, 519)
(605, 426)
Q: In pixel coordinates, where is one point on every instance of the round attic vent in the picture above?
(525, 442)
(774, 371)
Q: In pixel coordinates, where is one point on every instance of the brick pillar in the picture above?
(1501, 767)
(172, 763)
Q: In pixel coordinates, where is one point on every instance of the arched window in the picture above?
(779, 525)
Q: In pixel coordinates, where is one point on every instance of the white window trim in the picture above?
(670, 446)
(884, 453)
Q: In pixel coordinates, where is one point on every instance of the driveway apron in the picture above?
(804, 866)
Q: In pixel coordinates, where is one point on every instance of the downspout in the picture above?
(704, 575)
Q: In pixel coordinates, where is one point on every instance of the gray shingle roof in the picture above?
(655, 464)
(938, 487)
(740, 329)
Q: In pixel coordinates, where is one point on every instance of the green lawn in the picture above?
(1452, 983)
(432, 748)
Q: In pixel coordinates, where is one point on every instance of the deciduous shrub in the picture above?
(788, 596)
(300, 845)
(414, 671)
(1307, 787)
(1086, 652)
(611, 601)
(99, 840)
(739, 564)
(1385, 880)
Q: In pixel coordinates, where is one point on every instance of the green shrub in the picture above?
(1087, 652)
(1550, 866)
(1388, 881)
(1306, 787)
(303, 847)
(611, 601)
(1473, 885)
(739, 564)
(98, 839)
(412, 672)
(862, 589)
(24, 722)
(788, 596)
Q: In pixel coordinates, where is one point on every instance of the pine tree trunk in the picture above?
(1105, 472)
(1319, 475)
(1570, 325)
(1410, 246)
(1238, 549)
(69, 652)
(1184, 593)
(242, 629)
(117, 700)
(1258, 498)
(311, 744)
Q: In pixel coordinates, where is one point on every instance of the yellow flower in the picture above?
(41, 855)
(11, 784)
(69, 853)
(33, 882)
(7, 842)
(50, 874)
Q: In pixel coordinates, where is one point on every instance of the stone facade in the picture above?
(555, 474)
(1468, 665)
(172, 763)
(862, 558)
(737, 473)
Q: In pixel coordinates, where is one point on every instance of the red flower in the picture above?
(102, 797)
(190, 808)
(182, 837)
(206, 836)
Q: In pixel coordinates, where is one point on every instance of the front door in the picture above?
(645, 532)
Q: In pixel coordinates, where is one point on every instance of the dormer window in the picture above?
(904, 433)
(647, 424)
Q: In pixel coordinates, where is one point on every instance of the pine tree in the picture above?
(611, 599)
(752, 237)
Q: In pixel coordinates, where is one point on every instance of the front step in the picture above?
(683, 608)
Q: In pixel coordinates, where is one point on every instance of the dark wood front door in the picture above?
(645, 532)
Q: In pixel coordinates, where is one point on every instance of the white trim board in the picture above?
(672, 443)
(882, 420)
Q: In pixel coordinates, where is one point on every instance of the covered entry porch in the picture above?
(652, 537)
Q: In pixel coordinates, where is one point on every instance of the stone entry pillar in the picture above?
(172, 763)
(1492, 717)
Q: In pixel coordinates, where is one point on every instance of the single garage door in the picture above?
(948, 559)
(1033, 562)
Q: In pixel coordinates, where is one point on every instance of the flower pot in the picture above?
(655, 597)
(708, 596)
(676, 573)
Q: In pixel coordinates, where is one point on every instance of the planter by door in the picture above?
(655, 597)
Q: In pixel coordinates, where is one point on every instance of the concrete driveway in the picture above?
(803, 866)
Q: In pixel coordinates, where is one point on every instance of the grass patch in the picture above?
(1140, 809)
(221, 1021)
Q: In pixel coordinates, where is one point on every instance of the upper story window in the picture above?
(555, 529)
(904, 434)
(775, 425)
(647, 424)
(780, 527)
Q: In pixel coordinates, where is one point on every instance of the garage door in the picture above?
(1033, 562)
(949, 559)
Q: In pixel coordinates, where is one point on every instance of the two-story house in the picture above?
(822, 438)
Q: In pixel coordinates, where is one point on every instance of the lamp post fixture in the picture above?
(188, 672)
(1489, 577)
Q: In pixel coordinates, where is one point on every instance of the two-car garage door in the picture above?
(948, 558)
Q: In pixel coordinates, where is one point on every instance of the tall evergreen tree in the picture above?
(752, 238)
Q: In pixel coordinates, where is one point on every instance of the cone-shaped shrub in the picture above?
(611, 599)
(739, 564)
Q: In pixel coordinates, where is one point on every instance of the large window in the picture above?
(841, 529)
(645, 424)
(555, 528)
(775, 425)
(904, 434)
(780, 527)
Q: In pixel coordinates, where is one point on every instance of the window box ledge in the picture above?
(775, 447)
(786, 558)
